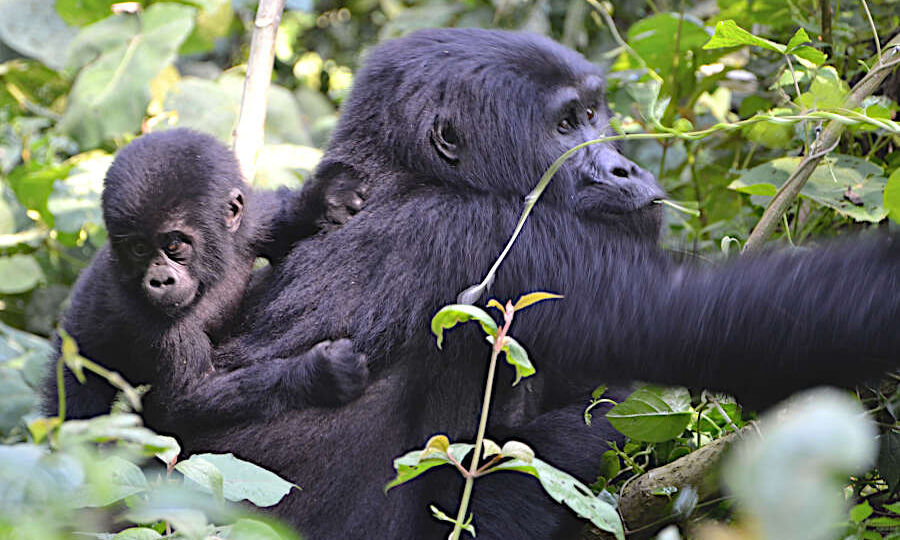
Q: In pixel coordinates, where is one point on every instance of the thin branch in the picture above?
(828, 139)
(250, 129)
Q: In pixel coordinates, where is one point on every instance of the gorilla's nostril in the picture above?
(620, 172)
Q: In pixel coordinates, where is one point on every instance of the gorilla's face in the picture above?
(605, 185)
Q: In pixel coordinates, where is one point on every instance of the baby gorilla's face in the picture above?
(160, 264)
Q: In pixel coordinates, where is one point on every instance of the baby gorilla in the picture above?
(184, 232)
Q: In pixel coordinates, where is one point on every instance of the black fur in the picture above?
(184, 232)
(449, 130)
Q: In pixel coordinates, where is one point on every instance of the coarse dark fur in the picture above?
(184, 232)
(450, 129)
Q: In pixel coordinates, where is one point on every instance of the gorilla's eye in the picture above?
(564, 126)
(140, 249)
(173, 247)
(590, 113)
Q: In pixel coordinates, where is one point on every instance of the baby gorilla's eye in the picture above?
(173, 247)
(564, 126)
(590, 113)
(140, 249)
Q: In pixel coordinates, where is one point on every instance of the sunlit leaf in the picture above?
(450, 316)
(729, 34)
(892, 196)
(533, 298)
(244, 480)
(652, 414)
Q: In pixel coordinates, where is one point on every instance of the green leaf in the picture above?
(652, 414)
(450, 316)
(772, 134)
(411, 464)
(204, 475)
(892, 196)
(533, 298)
(21, 273)
(75, 201)
(860, 512)
(35, 29)
(213, 22)
(438, 444)
(117, 479)
(827, 185)
(254, 529)
(125, 428)
(655, 38)
(517, 357)
(82, 12)
(517, 450)
(137, 533)
(565, 489)
(729, 34)
(799, 39)
(888, 463)
(110, 95)
(244, 480)
(827, 91)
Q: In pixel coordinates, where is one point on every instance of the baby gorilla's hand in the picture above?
(339, 374)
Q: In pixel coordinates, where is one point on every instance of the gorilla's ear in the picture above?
(444, 139)
(235, 210)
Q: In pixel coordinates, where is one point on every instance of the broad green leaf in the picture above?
(137, 533)
(82, 12)
(117, 479)
(21, 273)
(565, 489)
(405, 472)
(892, 196)
(213, 21)
(75, 201)
(254, 529)
(533, 298)
(110, 95)
(828, 184)
(646, 95)
(203, 105)
(827, 91)
(450, 316)
(244, 480)
(729, 34)
(517, 357)
(652, 414)
(204, 475)
(125, 428)
(889, 459)
(799, 46)
(490, 448)
(860, 512)
(35, 29)
(438, 444)
(772, 134)
(517, 450)
(655, 38)
(18, 398)
(188, 522)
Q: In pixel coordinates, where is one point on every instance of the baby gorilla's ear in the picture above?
(235, 210)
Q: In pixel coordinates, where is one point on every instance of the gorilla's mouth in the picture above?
(604, 198)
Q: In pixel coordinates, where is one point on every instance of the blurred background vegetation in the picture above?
(81, 78)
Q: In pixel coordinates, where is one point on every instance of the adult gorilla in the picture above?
(450, 129)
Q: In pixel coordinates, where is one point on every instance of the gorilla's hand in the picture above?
(344, 197)
(337, 373)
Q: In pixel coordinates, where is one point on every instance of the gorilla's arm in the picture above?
(760, 326)
(328, 374)
(288, 215)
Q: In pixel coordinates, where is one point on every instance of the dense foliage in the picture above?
(734, 93)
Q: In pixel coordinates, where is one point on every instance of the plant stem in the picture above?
(482, 423)
(250, 129)
(479, 440)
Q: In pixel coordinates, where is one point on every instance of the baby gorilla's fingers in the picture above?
(340, 374)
